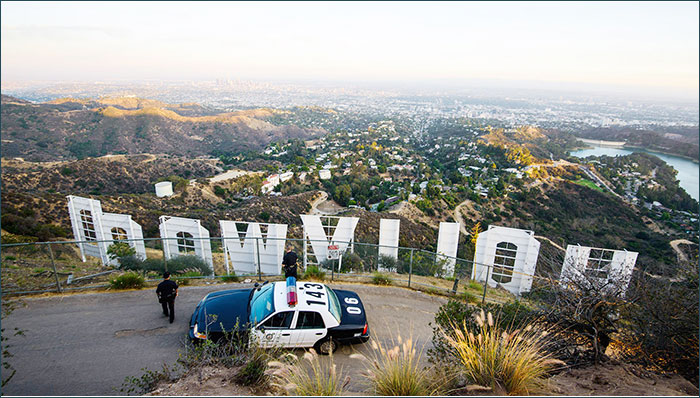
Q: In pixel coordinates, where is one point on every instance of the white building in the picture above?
(507, 257)
(164, 188)
(274, 179)
(286, 176)
(324, 174)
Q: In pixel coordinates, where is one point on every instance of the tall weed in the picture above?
(501, 358)
(398, 371)
(309, 375)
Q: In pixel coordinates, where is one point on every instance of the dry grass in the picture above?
(510, 359)
(397, 371)
(309, 375)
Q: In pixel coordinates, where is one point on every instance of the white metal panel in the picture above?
(525, 257)
(272, 249)
(343, 234)
(132, 229)
(242, 249)
(448, 240)
(576, 261)
(75, 205)
(389, 238)
(171, 226)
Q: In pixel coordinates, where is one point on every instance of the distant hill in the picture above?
(71, 128)
(682, 141)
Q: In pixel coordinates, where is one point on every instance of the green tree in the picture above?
(120, 249)
(342, 194)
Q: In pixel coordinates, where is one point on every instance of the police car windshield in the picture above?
(333, 304)
(262, 304)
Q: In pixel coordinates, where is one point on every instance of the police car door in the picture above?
(310, 328)
(274, 331)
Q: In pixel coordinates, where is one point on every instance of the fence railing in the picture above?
(411, 267)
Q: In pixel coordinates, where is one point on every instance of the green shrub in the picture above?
(10, 258)
(119, 250)
(176, 265)
(148, 381)
(475, 285)
(379, 278)
(470, 297)
(313, 272)
(387, 262)
(230, 278)
(253, 372)
(183, 263)
(351, 262)
(129, 280)
(183, 278)
(455, 312)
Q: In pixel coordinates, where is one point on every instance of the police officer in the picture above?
(166, 292)
(289, 262)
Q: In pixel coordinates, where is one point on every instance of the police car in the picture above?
(322, 318)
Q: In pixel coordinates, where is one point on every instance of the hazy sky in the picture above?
(643, 45)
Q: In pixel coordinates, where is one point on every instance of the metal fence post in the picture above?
(257, 250)
(410, 268)
(55, 273)
(486, 281)
(165, 261)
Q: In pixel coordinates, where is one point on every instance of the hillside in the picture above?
(75, 129)
(105, 175)
(682, 141)
(569, 213)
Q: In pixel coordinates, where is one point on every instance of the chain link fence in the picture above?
(41, 267)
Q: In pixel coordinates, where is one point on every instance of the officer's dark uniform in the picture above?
(290, 264)
(166, 291)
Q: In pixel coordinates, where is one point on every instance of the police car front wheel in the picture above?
(326, 346)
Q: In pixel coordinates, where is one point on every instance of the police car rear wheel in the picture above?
(326, 346)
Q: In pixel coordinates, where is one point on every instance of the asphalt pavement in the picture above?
(87, 344)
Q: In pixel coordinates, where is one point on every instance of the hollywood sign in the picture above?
(505, 257)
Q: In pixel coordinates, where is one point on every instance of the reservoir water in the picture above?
(688, 171)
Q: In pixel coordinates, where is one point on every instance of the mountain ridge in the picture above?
(70, 128)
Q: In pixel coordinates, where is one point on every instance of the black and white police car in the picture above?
(322, 318)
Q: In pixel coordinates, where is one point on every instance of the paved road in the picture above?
(87, 344)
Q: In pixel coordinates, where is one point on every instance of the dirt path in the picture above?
(550, 242)
(316, 203)
(682, 257)
(458, 217)
(618, 379)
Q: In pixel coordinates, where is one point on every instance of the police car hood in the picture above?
(230, 307)
(347, 318)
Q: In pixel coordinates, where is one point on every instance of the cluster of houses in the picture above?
(273, 180)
